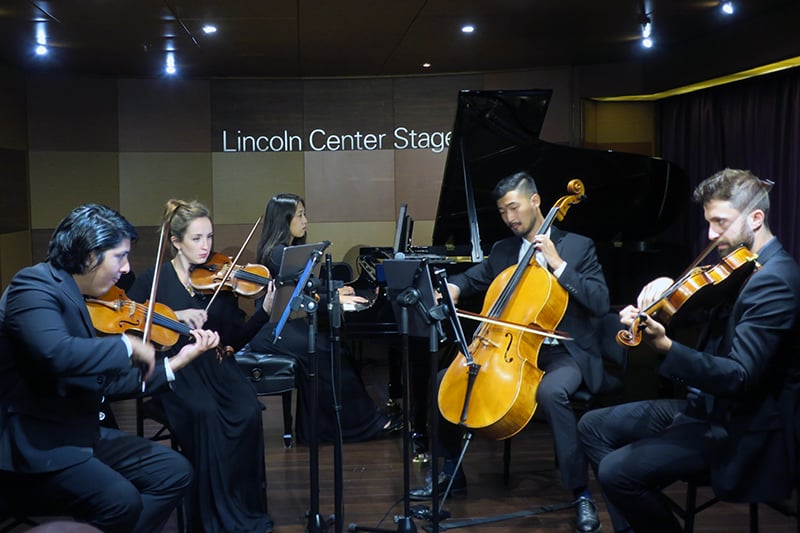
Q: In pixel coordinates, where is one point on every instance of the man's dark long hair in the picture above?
(278, 217)
(86, 233)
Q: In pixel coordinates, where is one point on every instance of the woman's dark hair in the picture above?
(86, 233)
(277, 219)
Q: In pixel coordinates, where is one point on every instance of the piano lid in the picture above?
(629, 197)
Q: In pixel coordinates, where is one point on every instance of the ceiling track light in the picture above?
(726, 7)
(647, 30)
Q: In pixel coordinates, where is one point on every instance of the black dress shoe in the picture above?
(393, 425)
(426, 492)
(586, 520)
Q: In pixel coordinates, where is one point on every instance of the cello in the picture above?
(492, 389)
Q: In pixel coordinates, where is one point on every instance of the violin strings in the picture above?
(165, 321)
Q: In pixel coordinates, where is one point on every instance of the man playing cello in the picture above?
(572, 260)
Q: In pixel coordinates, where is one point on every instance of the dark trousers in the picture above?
(636, 449)
(561, 379)
(131, 484)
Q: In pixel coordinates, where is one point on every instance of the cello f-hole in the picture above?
(506, 356)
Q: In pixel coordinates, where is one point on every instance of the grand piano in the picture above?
(630, 201)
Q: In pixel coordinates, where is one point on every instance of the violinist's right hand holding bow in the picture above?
(653, 331)
(143, 353)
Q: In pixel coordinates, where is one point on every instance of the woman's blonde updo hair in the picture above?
(178, 214)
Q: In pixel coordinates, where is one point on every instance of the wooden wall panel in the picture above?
(254, 107)
(347, 106)
(164, 116)
(244, 182)
(350, 186)
(73, 114)
(61, 181)
(13, 119)
(14, 201)
(148, 180)
(15, 253)
(418, 180)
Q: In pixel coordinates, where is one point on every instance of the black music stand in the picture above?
(294, 281)
(409, 286)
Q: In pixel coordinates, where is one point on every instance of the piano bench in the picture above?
(272, 374)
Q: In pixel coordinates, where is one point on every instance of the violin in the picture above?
(248, 280)
(701, 286)
(491, 389)
(114, 313)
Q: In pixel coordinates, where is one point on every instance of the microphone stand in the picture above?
(405, 523)
(335, 321)
(302, 301)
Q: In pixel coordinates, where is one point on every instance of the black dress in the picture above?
(361, 418)
(215, 414)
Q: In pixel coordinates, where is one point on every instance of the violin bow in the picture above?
(148, 320)
(233, 264)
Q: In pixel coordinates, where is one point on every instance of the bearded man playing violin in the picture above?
(55, 374)
(573, 261)
(729, 427)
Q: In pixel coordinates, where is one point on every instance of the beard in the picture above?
(746, 237)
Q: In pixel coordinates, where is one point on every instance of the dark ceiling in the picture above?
(320, 38)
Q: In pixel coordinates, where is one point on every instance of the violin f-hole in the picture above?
(506, 358)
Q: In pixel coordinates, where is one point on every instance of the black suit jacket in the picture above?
(742, 376)
(55, 373)
(584, 282)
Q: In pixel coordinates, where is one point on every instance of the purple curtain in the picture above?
(752, 124)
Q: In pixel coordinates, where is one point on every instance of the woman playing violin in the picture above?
(212, 409)
(54, 375)
(729, 426)
(284, 225)
(571, 258)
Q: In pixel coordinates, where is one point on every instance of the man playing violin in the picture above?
(573, 261)
(729, 425)
(54, 375)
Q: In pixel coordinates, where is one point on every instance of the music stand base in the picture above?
(469, 522)
(405, 524)
(318, 524)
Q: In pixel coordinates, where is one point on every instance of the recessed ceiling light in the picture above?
(169, 67)
(469, 28)
(209, 29)
(727, 7)
(426, 65)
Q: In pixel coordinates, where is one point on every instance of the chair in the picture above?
(150, 409)
(790, 400)
(272, 374)
(615, 359)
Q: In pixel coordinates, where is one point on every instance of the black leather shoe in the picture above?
(393, 425)
(586, 520)
(426, 492)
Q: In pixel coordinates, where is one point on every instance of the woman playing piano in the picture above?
(285, 225)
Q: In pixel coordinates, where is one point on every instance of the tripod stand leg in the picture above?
(467, 440)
